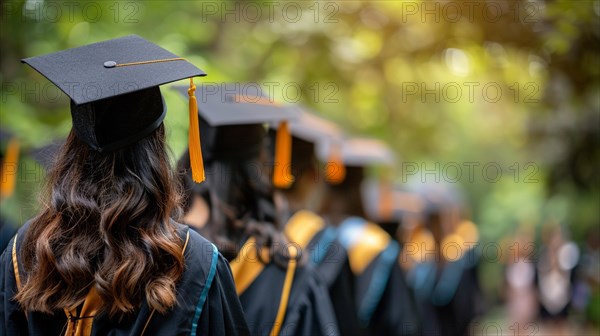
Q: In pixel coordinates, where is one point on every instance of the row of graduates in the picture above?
(307, 239)
(329, 220)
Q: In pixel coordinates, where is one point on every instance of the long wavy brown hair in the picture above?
(106, 222)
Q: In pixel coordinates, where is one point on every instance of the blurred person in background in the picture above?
(445, 278)
(555, 268)
(520, 291)
(104, 255)
(300, 196)
(9, 160)
(587, 292)
(280, 292)
(383, 302)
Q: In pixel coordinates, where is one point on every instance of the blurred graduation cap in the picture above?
(9, 160)
(114, 90)
(436, 195)
(232, 123)
(360, 153)
(314, 135)
(46, 155)
(364, 152)
(376, 195)
(5, 136)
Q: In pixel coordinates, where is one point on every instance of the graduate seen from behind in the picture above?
(441, 259)
(104, 255)
(315, 158)
(383, 302)
(280, 292)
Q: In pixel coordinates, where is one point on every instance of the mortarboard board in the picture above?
(365, 152)
(436, 195)
(312, 128)
(232, 118)
(311, 133)
(114, 91)
(360, 153)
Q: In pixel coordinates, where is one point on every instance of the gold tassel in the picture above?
(196, 161)
(336, 170)
(283, 157)
(9, 169)
(386, 202)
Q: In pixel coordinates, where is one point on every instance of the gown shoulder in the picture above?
(384, 302)
(207, 301)
(309, 310)
(264, 285)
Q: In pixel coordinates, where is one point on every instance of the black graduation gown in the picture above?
(448, 297)
(385, 305)
(331, 262)
(207, 302)
(308, 311)
(422, 280)
(456, 309)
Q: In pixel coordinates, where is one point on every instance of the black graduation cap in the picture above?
(384, 201)
(321, 137)
(358, 154)
(47, 154)
(436, 195)
(232, 123)
(114, 89)
(363, 152)
(312, 128)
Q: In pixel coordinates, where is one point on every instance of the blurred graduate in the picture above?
(9, 162)
(442, 259)
(281, 293)
(315, 158)
(383, 301)
(104, 255)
